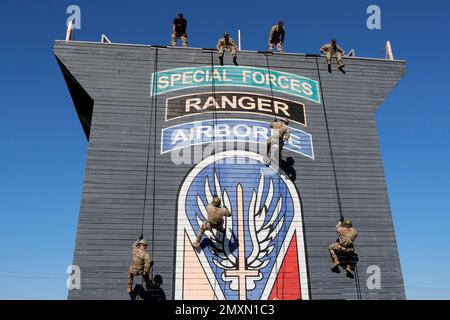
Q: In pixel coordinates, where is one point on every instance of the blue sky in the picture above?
(43, 148)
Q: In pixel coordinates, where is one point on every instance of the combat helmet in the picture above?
(144, 242)
(347, 223)
(216, 201)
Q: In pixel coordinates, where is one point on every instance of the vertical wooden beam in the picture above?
(69, 31)
(389, 54)
(239, 39)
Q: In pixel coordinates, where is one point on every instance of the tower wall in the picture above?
(136, 128)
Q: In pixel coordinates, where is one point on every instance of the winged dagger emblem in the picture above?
(243, 270)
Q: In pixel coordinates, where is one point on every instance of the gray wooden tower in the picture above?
(151, 115)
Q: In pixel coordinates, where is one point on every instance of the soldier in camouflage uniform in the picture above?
(141, 263)
(276, 36)
(215, 219)
(280, 133)
(227, 43)
(332, 49)
(344, 244)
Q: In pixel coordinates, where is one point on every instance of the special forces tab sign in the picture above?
(288, 83)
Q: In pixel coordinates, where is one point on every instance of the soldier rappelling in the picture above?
(215, 219)
(344, 245)
(227, 43)
(276, 37)
(141, 263)
(280, 135)
(332, 49)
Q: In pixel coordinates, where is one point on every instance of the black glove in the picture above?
(341, 219)
(141, 236)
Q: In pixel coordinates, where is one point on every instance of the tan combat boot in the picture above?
(335, 265)
(348, 269)
(174, 42)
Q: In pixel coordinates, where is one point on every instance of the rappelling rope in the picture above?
(154, 111)
(152, 119)
(213, 88)
(276, 267)
(152, 107)
(341, 215)
(338, 195)
(215, 168)
(357, 283)
(270, 78)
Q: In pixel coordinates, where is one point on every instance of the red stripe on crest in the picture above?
(287, 284)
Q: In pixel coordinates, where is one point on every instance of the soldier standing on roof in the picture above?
(215, 219)
(344, 245)
(227, 43)
(141, 263)
(276, 36)
(332, 49)
(179, 30)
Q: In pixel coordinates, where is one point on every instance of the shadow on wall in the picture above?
(288, 167)
(351, 259)
(205, 243)
(155, 292)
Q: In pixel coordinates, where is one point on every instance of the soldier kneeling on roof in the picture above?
(227, 43)
(332, 49)
(280, 134)
(276, 37)
(141, 263)
(215, 220)
(344, 245)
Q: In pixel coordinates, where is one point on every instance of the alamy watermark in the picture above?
(374, 20)
(74, 279)
(75, 16)
(374, 280)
